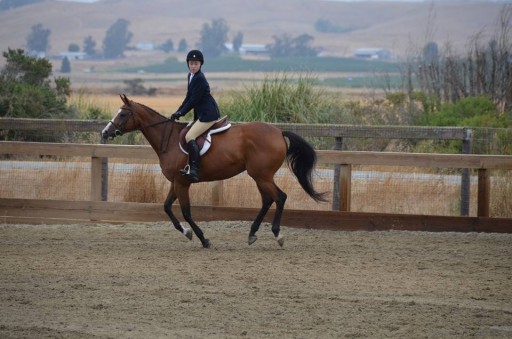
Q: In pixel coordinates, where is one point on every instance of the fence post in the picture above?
(484, 191)
(345, 187)
(465, 183)
(104, 176)
(95, 179)
(338, 146)
(217, 193)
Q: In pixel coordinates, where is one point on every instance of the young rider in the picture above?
(206, 111)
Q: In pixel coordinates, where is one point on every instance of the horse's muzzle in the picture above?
(110, 132)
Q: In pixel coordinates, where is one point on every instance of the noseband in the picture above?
(119, 128)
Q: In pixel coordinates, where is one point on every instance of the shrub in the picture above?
(279, 98)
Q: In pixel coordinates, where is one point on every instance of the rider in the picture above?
(206, 111)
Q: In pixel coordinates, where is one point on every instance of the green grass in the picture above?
(280, 98)
(310, 64)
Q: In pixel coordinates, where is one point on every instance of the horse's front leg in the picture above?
(183, 197)
(171, 198)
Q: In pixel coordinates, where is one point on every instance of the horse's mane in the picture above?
(150, 109)
(156, 112)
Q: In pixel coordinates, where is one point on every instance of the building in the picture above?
(254, 49)
(372, 53)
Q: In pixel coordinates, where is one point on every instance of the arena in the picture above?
(145, 280)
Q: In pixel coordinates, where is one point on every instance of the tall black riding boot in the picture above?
(192, 171)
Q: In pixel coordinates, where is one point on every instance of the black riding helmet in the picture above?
(195, 55)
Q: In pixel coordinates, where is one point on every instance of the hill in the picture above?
(398, 26)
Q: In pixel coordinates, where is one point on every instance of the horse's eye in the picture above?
(122, 114)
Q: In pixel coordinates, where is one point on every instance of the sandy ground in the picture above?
(148, 281)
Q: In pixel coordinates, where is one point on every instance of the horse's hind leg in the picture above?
(276, 223)
(270, 193)
(266, 203)
(171, 198)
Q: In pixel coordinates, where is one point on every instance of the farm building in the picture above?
(372, 53)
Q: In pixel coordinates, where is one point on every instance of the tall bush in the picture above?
(279, 98)
(26, 90)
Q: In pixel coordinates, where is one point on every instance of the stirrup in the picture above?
(185, 170)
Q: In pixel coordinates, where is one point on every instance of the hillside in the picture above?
(398, 26)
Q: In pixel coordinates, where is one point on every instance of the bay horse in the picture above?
(256, 147)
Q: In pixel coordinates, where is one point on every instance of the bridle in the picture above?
(119, 128)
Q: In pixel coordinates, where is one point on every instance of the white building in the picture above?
(372, 53)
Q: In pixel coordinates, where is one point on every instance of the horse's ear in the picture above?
(124, 98)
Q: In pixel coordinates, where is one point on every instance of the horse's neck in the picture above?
(162, 137)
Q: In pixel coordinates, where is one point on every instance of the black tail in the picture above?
(301, 159)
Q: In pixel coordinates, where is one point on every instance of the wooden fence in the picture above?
(337, 132)
(30, 210)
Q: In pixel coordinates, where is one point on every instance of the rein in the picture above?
(164, 141)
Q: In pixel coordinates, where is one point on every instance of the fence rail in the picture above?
(340, 133)
(344, 159)
(308, 130)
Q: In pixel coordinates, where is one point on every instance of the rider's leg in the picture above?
(195, 131)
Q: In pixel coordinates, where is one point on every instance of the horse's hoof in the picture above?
(188, 233)
(207, 243)
(280, 240)
(252, 239)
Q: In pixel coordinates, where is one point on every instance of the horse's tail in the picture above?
(301, 158)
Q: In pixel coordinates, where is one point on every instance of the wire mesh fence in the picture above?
(382, 189)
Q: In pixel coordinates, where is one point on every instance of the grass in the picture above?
(379, 189)
(295, 64)
(280, 97)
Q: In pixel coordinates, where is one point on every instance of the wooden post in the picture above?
(345, 187)
(465, 177)
(104, 176)
(217, 193)
(336, 180)
(484, 190)
(95, 179)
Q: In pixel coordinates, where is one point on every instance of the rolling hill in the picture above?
(398, 26)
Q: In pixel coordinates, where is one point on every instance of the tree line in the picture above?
(213, 37)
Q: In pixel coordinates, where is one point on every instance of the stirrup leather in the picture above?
(185, 170)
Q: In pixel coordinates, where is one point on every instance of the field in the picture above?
(148, 281)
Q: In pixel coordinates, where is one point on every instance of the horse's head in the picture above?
(123, 122)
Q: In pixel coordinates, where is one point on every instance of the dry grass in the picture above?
(501, 190)
(374, 189)
(111, 102)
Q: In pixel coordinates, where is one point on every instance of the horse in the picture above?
(256, 147)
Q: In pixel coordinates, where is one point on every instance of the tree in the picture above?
(136, 87)
(66, 66)
(116, 39)
(73, 48)
(238, 41)
(182, 46)
(167, 46)
(37, 40)
(287, 46)
(213, 37)
(26, 91)
(89, 46)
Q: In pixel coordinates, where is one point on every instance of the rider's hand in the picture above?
(176, 116)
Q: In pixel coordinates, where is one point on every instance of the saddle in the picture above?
(204, 141)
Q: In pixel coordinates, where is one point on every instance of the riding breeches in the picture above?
(197, 129)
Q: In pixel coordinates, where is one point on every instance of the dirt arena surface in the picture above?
(148, 281)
